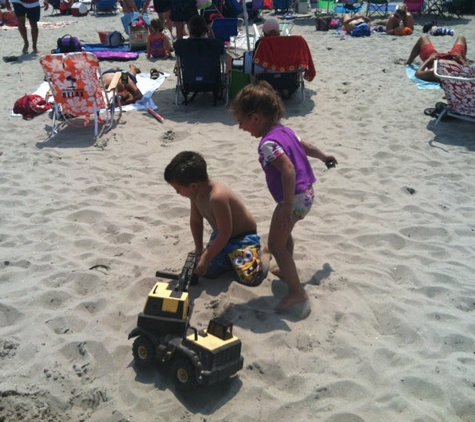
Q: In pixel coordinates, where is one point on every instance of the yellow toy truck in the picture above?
(162, 334)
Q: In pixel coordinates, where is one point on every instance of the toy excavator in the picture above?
(201, 358)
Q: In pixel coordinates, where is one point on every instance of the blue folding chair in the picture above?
(225, 28)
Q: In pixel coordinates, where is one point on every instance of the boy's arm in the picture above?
(313, 151)
(196, 226)
(224, 228)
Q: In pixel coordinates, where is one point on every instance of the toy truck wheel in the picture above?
(143, 351)
(184, 374)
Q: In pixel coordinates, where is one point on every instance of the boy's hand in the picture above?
(202, 266)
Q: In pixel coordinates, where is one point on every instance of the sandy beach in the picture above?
(386, 253)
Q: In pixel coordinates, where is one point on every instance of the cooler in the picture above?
(79, 9)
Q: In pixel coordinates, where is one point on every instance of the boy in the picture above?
(234, 243)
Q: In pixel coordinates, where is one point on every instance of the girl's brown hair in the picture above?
(259, 98)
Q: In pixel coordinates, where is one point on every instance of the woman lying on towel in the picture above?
(127, 89)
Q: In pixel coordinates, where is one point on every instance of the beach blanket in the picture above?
(146, 85)
(411, 74)
(104, 52)
(42, 25)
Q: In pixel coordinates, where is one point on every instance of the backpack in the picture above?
(115, 39)
(323, 24)
(68, 44)
(30, 106)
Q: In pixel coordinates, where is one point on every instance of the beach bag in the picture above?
(30, 106)
(203, 4)
(361, 30)
(68, 44)
(323, 24)
(115, 39)
(138, 35)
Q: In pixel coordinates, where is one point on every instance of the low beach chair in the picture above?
(458, 83)
(414, 6)
(200, 67)
(103, 7)
(377, 8)
(284, 62)
(76, 85)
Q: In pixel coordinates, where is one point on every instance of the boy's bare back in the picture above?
(221, 207)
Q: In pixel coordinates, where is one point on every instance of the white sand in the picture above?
(391, 336)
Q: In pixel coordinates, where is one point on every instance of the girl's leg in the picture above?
(281, 247)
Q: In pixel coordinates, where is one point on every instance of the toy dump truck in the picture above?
(163, 334)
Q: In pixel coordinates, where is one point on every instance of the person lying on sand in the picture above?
(350, 22)
(428, 54)
(127, 89)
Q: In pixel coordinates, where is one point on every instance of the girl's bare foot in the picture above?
(277, 272)
(293, 299)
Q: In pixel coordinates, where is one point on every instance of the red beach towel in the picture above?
(285, 54)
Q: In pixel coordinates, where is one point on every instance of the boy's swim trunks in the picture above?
(243, 254)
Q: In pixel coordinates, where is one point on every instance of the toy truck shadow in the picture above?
(163, 334)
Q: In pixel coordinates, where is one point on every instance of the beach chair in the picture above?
(458, 83)
(225, 28)
(414, 6)
(284, 62)
(200, 67)
(254, 9)
(349, 6)
(377, 8)
(102, 7)
(78, 91)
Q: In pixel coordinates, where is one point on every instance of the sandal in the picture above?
(154, 74)
(440, 106)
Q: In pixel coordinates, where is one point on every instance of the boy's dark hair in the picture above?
(185, 168)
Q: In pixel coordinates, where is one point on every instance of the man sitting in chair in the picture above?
(428, 54)
(127, 88)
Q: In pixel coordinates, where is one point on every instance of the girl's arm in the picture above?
(148, 47)
(313, 151)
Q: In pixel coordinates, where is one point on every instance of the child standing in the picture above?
(234, 243)
(158, 45)
(283, 156)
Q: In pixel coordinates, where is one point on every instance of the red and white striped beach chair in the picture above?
(458, 83)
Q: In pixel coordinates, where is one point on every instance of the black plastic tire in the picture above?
(184, 374)
(143, 351)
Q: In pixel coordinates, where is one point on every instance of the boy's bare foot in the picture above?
(25, 48)
(277, 272)
(35, 50)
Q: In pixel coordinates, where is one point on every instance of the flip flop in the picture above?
(154, 74)
(439, 107)
(432, 112)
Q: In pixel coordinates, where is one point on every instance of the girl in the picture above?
(158, 45)
(283, 157)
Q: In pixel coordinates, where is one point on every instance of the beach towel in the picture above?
(285, 54)
(146, 85)
(411, 74)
